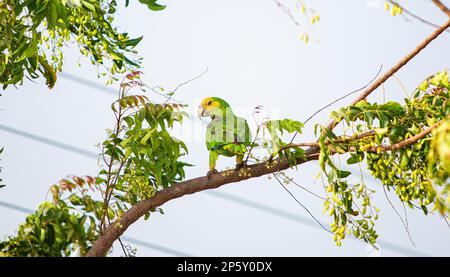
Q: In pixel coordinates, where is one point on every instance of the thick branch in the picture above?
(116, 229)
(441, 6)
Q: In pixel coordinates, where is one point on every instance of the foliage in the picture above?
(418, 171)
(59, 228)
(139, 157)
(409, 170)
(275, 146)
(35, 32)
(151, 4)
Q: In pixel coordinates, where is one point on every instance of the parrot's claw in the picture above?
(241, 165)
(211, 172)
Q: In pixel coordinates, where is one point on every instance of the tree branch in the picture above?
(340, 140)
(117, 228)
(382, 148)
(406, 142)
(441, 6)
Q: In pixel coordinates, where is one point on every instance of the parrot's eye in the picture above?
(209, 102)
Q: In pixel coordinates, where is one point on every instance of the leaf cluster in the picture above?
(33, 34)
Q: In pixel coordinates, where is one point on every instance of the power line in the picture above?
(88, 83)
(146, 244)
(157, 247)
(255, 205)
(48, 141)
(303, 220)
(16, 207)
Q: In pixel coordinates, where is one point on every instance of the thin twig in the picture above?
(406, 215)
(337, 100)
(414, 15)
(399, 216)
(303, 206)
(185, 83)
(300, 186)
(340, 140)
(287, 11)
(123, 247)
(446, 221)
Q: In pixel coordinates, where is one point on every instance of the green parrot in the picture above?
(226, 134)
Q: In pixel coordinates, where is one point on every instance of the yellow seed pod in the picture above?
(331, 212)
(393, 12)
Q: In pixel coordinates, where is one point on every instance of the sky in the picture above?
(254, 56)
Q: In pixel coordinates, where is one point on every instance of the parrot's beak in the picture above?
(200, 112)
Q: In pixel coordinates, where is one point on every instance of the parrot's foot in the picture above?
(241, 165)
(211, 172)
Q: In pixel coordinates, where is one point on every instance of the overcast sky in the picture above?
(254, 56)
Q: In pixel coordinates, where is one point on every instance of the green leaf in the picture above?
(89, 6)
(147, 136)
(52, 15)
(48, 72)
(133, 42)
(424, 85)
(152, 5)
(392, 107)
(404, 159)
(355, 158)
(381, 131)
(343, 174)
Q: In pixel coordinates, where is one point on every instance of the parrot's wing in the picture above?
(231, 136)
(214, 135)
(242, 131)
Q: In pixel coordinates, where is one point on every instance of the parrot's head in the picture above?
(213, 107)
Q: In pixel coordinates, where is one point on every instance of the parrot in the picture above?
(227, 134)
